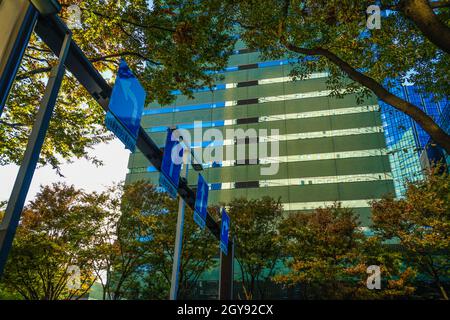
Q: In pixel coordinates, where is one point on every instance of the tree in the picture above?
(170, 46)
(332, 36)
(53, 238)
(123, 238)
(5, 293)
(135, 248)
(199, 249)
(124, 245)
(258, 242)
(328, 255)
(420, 224)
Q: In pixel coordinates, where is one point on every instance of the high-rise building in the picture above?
(409, 147)
(444, 123)
(330, 149)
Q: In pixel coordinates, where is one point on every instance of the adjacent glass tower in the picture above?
(329, 149)
(409, 147)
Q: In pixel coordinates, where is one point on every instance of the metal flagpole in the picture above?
(226, 273)
(179, 235)
(188, 158)
(22, 184)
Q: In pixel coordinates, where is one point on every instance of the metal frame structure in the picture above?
(15, 57)
(53, 31)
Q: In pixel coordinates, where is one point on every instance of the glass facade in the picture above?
(407, 142)
(444, 123)
(330, 149)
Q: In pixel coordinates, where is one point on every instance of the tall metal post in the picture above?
(179, 235)
(22, 184)
(16, 54)
(226, 273)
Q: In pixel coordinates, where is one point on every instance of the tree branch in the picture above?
(433, 5)
(426, 122)
(12, 125)
(28, 74)
(421, 13)
(134, 23)
(439, 4)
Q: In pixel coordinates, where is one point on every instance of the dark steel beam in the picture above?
(51, 30)
(226, 280)
(16, 54)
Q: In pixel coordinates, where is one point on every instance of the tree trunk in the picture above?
(443, 292)
(423, 16)
(252, 287)
(436, 133)
(439, 285)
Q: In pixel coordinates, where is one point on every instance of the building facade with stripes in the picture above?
(330, 149)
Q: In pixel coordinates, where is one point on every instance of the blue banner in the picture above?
(126, 106)
(171, 164)
(224, 232)
(201, 202)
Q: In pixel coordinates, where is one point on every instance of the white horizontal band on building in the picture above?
(314, 205)
(382, 176)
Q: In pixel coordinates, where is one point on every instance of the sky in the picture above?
(81, 173)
